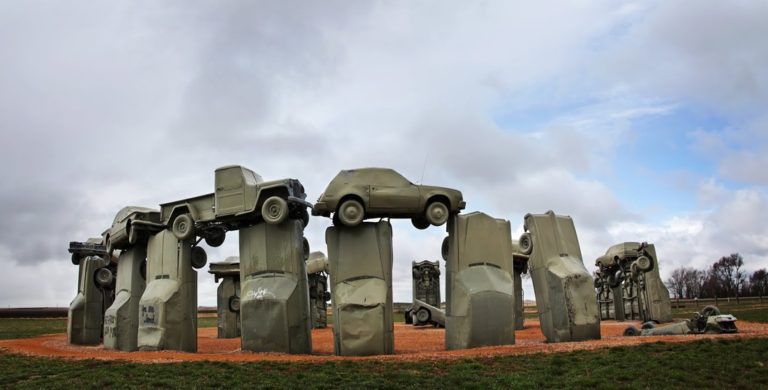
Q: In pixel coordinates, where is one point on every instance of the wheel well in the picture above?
(266, 193)
(348, 197)
(440, 198)
(176, 212)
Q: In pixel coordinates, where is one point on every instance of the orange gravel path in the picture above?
(411, 343)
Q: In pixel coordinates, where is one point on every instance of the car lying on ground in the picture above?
(356, 194)
(708, 320)
(241, 198)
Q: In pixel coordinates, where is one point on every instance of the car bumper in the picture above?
(293, 199)
(321, 208)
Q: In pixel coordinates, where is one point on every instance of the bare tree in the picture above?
(729, 275)
(676, 282)
(692, 281)
(759, 282)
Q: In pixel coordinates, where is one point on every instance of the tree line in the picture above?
(724, 278)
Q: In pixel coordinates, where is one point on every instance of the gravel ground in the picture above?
(411, 343)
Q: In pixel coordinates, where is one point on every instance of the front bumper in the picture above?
(321, 208)
(293, 199)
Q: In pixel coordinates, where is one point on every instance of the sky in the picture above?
(643, 121)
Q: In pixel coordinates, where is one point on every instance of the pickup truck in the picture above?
(241, 198)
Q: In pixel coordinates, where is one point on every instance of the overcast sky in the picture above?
(644, 121)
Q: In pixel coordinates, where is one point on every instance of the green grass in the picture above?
(703, 363)
(747, 310)
(16, 328)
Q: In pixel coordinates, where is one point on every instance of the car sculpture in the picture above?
(131, 225)
(709, 320)
(356, 194)
(81, 250)
(241, 198)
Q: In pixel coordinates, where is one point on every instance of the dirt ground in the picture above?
(411, 343)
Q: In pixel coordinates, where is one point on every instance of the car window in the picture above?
(392, 178)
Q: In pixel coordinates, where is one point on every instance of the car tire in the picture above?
(183, 227)
(420, 223)
(76, 259)
(304, 217)
(423, 316)
(108, 245)
(274, 210)
(648, 325)
(234, 304)
(525, 243)
(644, 263)
(631, 331)
(198, 257)
(351, 212)
(408, 317)
(104, 277)
(133, 235)
(710, 310)
(444, 249)
(305, 248)
(436, 213)
(215, 237)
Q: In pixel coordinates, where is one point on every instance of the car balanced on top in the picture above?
(241, 198)
(356, 194)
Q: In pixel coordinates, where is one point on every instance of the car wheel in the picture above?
(408, 317)
(444, 249)
(76, 259)
(199, 257)
(305, 248)
(234, 303)
(423, 316)
(108, 245)
(351, 212)
(133, 235)
(710, 310)
(104, 277)
(274, 210)
(631, 331)
(525, 243)
(304, 217)
(183, 227)
(644, 263)
(436, 213)
(215, 237)
(648, 325)
(420, 223)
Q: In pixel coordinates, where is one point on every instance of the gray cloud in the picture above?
(107, 105)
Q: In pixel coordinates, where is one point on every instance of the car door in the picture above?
(230, 197)
(393, 193)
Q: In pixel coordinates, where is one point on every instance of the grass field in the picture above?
(705, 363)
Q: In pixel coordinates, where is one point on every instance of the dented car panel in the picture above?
(565, 296)
(479, 285)
(360, 262)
